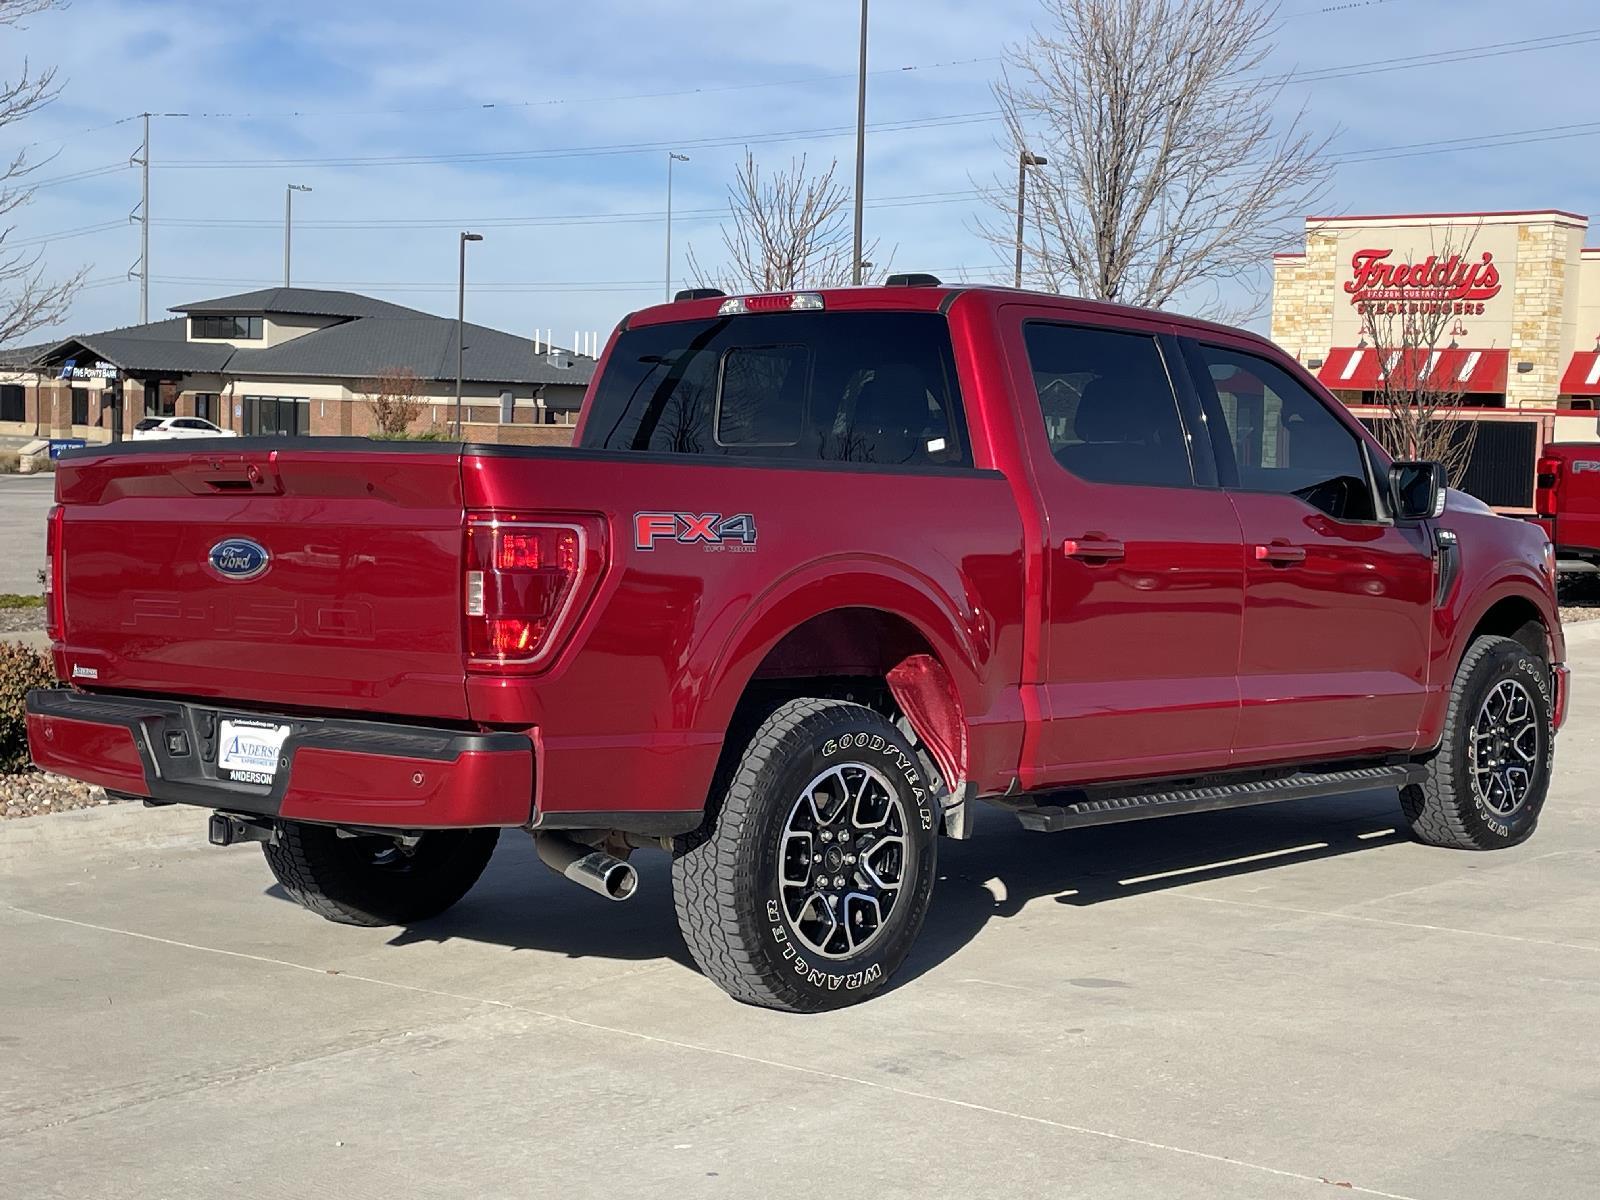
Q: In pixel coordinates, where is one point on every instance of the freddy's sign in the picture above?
(1456, 284)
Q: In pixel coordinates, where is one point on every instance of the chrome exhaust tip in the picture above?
(594, 869)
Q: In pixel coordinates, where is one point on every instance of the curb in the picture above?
(110, 827)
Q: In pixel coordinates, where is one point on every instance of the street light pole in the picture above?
(861, 146)
(461, 321)
(1024, 161)
(672, 157)
(289, 189)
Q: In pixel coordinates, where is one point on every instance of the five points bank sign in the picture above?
(1454, 285)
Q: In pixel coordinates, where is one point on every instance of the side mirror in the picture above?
(1417, 490)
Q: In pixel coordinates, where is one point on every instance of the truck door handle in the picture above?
(1280, 553)
(1093, 547)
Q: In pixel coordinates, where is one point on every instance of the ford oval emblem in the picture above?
(239, 558)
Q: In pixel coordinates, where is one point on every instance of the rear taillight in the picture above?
(527, 579)
(1547, 477)
(52, 574)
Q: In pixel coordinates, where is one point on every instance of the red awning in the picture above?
(1583, 374)
(1362, 369)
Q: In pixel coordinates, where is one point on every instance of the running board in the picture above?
(1091, 809)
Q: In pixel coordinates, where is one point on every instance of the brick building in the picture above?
(1519, 340)
(1523, 291)
(289, 361)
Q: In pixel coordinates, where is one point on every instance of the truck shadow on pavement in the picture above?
(1004, 867)
(522, 905)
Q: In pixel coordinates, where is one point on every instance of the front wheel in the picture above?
(1486, 784)
(368, 879)
(811, 879)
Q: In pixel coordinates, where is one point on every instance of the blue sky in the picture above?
(405, 79)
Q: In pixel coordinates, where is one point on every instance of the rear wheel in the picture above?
(375, 880)
(809, 883)
(1486, 784)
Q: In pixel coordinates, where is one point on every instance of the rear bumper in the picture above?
(342, 772)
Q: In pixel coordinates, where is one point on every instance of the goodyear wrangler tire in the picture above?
(811, 878)
(1486, 784)
(373, 880)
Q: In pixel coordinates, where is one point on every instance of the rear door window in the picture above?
(1108, 405)
(875, 388)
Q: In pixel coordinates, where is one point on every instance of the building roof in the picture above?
(22, 356)
(425, 345)
(308, 302)
(371, 337)
(1557, 215)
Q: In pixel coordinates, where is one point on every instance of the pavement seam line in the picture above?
(1492, 874)
(593, 1026)
(1350, 916)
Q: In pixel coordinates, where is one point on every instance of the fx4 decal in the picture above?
(713, 530)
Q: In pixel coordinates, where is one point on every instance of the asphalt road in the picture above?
(24, 500)
(1251, 1005)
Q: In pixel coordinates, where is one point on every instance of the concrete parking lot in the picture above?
(1290, 1001)
(24, 500)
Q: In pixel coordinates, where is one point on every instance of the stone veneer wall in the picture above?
(1302, 318)
(1537, 312)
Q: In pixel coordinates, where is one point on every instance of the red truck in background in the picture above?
(824, 570)
(1566, 499)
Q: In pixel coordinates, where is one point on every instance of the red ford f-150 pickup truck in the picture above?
(824, 570)
(1566, 498)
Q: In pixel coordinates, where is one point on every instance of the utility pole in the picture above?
(672, 157)
(461, 321)
(289, 189)
(1024, 161)
(861, 146)
(143, 159)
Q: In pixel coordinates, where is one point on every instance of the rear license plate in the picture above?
(247, 751)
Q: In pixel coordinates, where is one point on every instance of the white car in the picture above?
(177, 427)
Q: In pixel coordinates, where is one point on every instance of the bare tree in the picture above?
(1418, 389)
(393, 397)
(787, 229)
(1167, 173)
(29, 299)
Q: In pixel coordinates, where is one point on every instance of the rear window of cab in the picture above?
(875, 388)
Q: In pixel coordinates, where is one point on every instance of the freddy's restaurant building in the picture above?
(1521, 340)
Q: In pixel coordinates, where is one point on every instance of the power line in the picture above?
(78, 176)
(529, 286)
(468, 158)
(62, 235)
(568, 101)
(386, 224)
(1330, 9)
(1554, 133)
(1486, 141)
(1559, 41)
(909, 199)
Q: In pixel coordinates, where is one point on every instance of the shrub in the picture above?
(21, 668)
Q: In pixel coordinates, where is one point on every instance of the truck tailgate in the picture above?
(356, 602)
